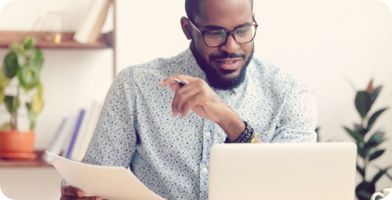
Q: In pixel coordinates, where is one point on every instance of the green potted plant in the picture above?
(368, 141)
(20, 73)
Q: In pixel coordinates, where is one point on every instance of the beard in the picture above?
(215, 78)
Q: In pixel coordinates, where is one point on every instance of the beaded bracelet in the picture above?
(248, 136)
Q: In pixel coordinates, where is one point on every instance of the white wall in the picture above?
(322, 42)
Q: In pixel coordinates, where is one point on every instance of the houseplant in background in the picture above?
(20, 88)
(368, 141)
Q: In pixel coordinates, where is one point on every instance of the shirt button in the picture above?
(204, 170)
(207, 134)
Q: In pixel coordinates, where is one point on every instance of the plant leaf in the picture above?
(389, 176)
(360, 170)
(374, 94)
(16, 47)
(362, 152)
(28, 78)
(376, 139)
(3, 84)
(2, 94)
(4, 81)
(29, 42)
(32, 116)
(376, 154)
(37, 59)
(37, 103)
(11, 66)
(354, 134)
(11, 103)
(40, 89)
(374, 117)
(363, 103)
(22, 59)
(358, 128)
(379, 174)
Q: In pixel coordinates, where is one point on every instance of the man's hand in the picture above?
(194, 96)
(72, 193)
(197, 96)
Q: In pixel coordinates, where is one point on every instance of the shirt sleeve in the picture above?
(298, 119)
(114, 140)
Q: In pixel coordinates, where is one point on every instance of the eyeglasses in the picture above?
(217, 37)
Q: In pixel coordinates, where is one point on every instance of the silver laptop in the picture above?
(303, 171)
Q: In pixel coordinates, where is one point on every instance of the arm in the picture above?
(298, 120)
(114, 139)
(197, 96)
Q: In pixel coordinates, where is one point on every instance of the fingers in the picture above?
(184, 95)
(69, 190)
(90, 198)
(73, 193)
(176, 81)
(189, 92)
(80, 198)
(183, 87)
(186, 106)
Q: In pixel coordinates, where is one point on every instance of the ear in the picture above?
(185, 28)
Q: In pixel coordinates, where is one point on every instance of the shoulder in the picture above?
(154, 66)
(277, 80)
(153, 70)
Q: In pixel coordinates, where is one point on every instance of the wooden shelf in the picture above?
(43, 41)
(38, 162)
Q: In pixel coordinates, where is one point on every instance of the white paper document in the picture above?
(114, 183)
(2, 196)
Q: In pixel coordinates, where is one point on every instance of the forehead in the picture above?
(224, 13)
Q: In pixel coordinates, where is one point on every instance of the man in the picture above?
(218, 93)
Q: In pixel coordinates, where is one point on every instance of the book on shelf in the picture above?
(87, 131)
(91, 26)
(56, 144)
(74, 133)
(69, 133)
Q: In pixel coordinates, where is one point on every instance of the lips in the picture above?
(229, 64)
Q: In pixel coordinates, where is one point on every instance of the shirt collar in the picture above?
(190, 65)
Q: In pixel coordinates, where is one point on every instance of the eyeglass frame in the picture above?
(255, 25)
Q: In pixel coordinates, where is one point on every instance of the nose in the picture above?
(231, 46)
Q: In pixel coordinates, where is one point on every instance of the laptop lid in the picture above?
(305, 171)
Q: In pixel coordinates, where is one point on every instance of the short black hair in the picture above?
(192, 8)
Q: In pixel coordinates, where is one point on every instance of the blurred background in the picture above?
(335, 46)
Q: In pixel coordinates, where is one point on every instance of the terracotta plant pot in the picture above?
(17, 144)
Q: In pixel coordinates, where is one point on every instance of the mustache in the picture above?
(227, 55)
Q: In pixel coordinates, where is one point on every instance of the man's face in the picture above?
(225, 65)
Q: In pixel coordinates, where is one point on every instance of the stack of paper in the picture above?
(115, 183)
(2, 196)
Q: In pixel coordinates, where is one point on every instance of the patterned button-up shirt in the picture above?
(170, 155)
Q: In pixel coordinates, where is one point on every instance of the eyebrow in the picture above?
(213, 27)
